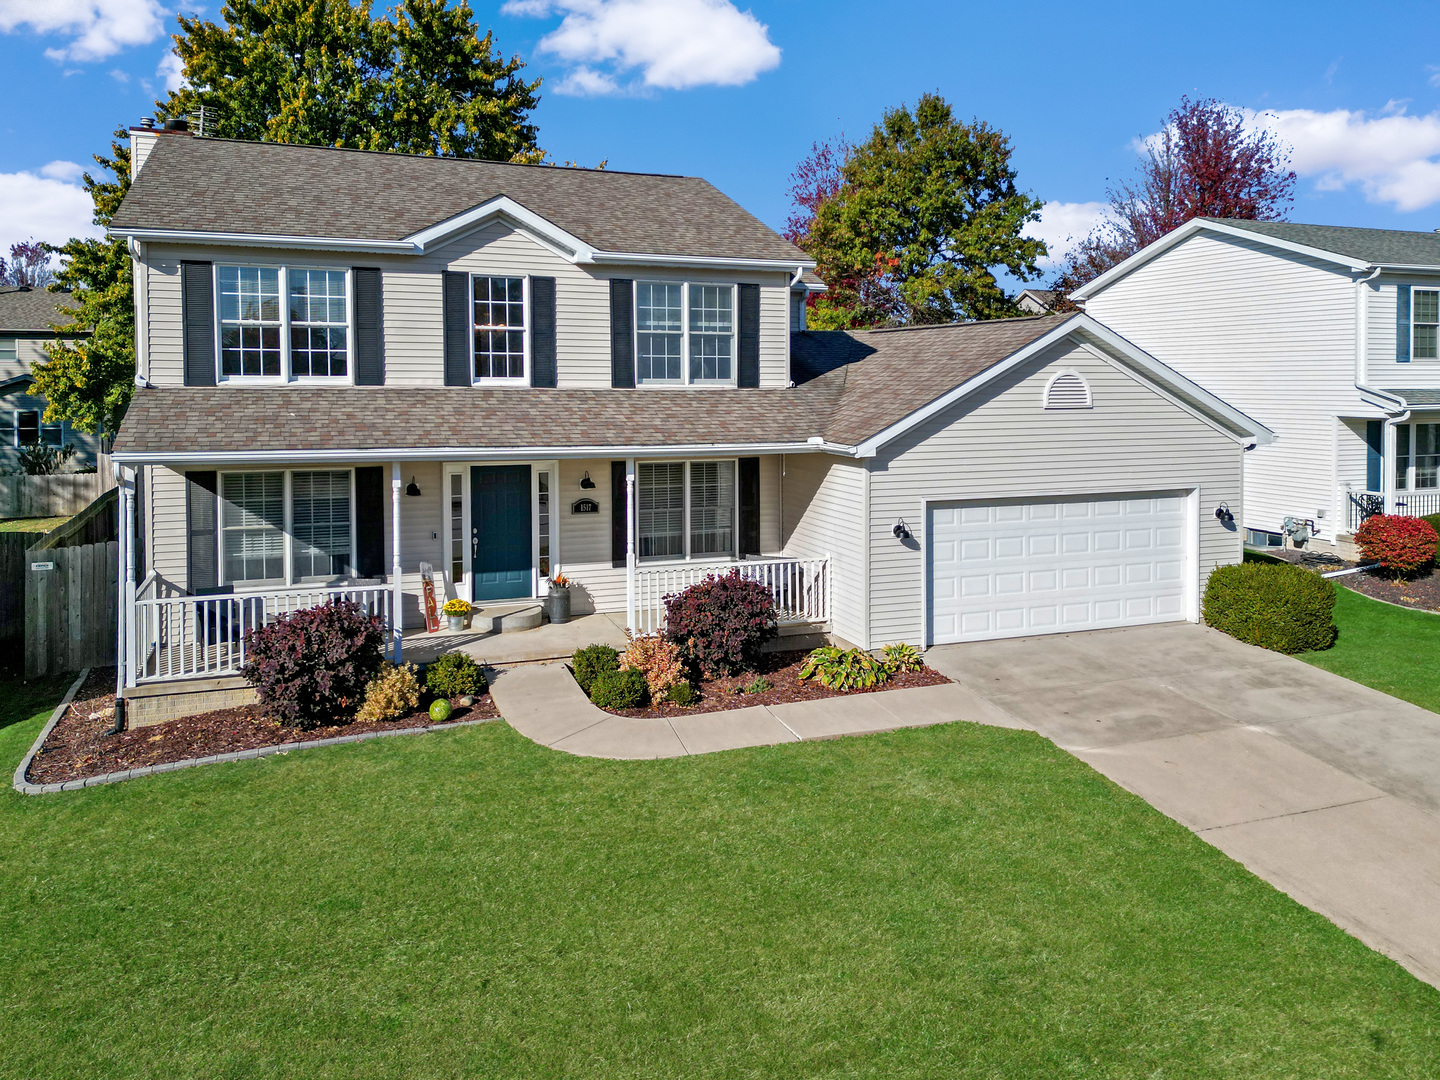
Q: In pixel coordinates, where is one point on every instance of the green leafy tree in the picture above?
(89, 380)
(925, 212)
(420, 80)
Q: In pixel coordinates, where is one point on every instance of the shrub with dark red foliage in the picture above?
(310, 667)
(1401, 545)
(721, 623)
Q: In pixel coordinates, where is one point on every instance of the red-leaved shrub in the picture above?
(1401, 545)
(311, 667)
(721, 623)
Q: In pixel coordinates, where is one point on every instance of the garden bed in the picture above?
(782, 669)
(78, 747)
(1421, 592)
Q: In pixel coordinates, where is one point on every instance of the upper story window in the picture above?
(499, 305)
(7, 350)
(684, 333)
(1424, 325)
(308, 336)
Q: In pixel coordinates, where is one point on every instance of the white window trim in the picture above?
(689, 557)
(1407, 485)
(287, 375)
(462, 470)
(524, 379)
(1413, 357)
(287, 534)
(685, 379)
(40, 426)
(538, 586)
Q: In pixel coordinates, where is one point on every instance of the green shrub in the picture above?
(591, 661)
(1276, 606)
(619, 689)
(453, 674)
(759, 685)
(1434, 520)
(682, 694)
(844, 669)
(901, 657)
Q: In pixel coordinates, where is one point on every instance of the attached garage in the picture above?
(1010, 568)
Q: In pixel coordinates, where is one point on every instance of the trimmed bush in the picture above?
(1401, 545)
(655, 658)
(619, 690)
(901, 657)
(682, 694)
(1434, 520)
(591, 661)
(844, 669)
(311, 667)
(454, 673)
(1276, 606)
(392, 694)
(722, 623)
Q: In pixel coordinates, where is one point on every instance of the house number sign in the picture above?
(42, 566)
(585, 506)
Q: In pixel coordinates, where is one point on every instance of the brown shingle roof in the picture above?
(32, 309)
(276, 189)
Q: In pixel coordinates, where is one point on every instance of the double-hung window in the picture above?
(685, 509)
(1425, 325)
(684, 333)
(283, 322)
(499, 328)
(8, 355)
(1417, 457)
(281, 527)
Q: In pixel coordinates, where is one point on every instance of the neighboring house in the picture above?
(26, 318)
(1326, 335)
(356, 364)
(1036, 301)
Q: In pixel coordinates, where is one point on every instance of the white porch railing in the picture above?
(801, 587)
(1363, 504)
(188, 637)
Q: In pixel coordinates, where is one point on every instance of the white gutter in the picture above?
(699, 261)
(462, 453)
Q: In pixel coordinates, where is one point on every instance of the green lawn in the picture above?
(1390, 648)
(947, 902)
(38, 525)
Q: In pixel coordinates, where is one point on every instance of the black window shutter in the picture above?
(622, 333)
(542, 331)
(370, 521)
(457, 329)
(747, 368)
(749, 506)
(197, 307)
(619, 537)
(202, 573)
(369, 327)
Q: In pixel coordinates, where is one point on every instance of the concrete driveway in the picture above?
(1327, 789)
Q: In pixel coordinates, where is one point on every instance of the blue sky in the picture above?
(738, 93)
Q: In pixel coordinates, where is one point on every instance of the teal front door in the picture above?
(500, 531)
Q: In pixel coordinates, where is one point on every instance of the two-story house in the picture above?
(1329, 336)
(353, 365)
(27, 321)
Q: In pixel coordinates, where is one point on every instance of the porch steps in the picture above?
(507, 620)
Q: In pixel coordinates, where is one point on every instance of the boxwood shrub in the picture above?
(591, 661)
(619, 689)
(1276, 606)
(454, 673)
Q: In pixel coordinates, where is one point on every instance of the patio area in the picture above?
(548, 641)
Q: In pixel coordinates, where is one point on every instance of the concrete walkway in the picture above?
(544, 703)
(1327, 789)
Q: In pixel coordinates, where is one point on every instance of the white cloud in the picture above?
(672, 44)
(67, 171)
(1062, 225)
(44, 206)
(99, 28)
(171, 72)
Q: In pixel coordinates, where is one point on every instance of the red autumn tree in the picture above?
(29, 265)
(1204, 162)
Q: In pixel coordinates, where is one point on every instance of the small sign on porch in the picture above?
(42, 566)
(427, 585)
(585, 506)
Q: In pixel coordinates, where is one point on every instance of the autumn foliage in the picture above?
(1401, 545)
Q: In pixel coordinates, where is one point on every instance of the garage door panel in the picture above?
(1009, 569)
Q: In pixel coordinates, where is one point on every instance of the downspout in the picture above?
(1393, 417)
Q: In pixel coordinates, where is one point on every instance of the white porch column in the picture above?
(125, 648)
(630, 544)
(396, 596)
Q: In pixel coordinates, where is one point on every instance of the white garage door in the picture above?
(1008, 569)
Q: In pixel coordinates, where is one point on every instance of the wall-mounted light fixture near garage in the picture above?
(1223, 515)
(412, 488)
(901, 531)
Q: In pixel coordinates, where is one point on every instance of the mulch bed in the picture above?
(783, 671)
(1421, 592)
(78, 746)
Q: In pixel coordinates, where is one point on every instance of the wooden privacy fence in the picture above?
(13, 570)
(57, 495)
(71, 607)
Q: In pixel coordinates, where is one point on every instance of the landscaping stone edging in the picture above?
(26, 788)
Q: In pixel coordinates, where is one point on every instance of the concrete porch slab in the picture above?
(549, 641)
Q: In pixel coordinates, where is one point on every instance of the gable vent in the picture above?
(1067, 390)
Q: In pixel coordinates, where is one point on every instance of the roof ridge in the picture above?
(1242, 222)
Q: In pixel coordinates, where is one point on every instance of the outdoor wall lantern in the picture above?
(586, 482)
(412, 488)
(901, 531)
(1223, 515)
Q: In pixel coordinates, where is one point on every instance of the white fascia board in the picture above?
(1408, 268)
(1189, 229)
(502, 206)
(307, 243)
(454, 453)
(1382, 399)
(698, 261)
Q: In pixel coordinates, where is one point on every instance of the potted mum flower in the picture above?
(457, 611)
(557, 601)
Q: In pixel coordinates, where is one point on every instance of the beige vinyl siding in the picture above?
(28, 353)
(1006, 446)
(165, 531)
(1271, 333)
(413, 295)
(1381, 332)
(824, 499)
(585, 539)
